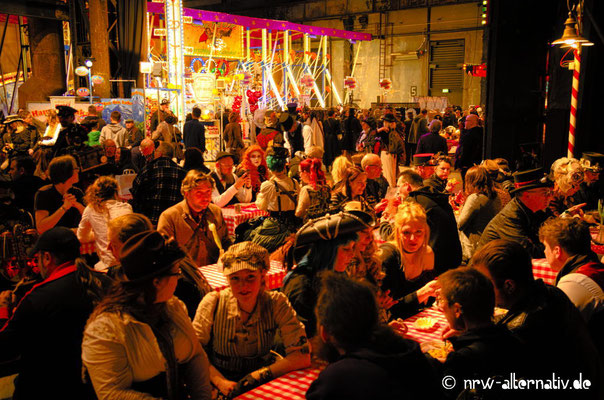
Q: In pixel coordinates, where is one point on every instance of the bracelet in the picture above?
(64, 209)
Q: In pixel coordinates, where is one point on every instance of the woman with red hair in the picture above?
(254, 162)
(315, 195)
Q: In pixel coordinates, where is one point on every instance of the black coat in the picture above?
(517, 223)
(389, 368)
(485, 353)
(46, 330)
(444, 238)
(332, 129)
(557, 337)
(469, 151)
(432, 143)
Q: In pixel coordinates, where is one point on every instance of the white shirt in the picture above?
(308, 138)
(52, 135)
(96, 222)
(244, 195)
(584, 292)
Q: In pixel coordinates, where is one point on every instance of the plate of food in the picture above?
(438, 349)
(425, 324)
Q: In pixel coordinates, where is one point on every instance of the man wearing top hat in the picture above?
(292, 130)
(592, 188)
(72, 135)
(521, 218)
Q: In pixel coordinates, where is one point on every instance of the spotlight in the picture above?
(88, 63)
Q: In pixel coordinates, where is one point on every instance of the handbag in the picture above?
(125, 181)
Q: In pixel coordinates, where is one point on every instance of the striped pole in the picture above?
(573, 102)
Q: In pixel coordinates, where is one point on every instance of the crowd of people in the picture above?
(375, 215)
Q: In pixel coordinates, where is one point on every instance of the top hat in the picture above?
(389, 118)
(277, 152)
(593, 162)
(530, 179)
(422, 159)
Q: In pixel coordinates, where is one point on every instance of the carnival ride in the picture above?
(239, 62)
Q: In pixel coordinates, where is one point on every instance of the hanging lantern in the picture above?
(307, 80)
(386, 84)
(350, 82)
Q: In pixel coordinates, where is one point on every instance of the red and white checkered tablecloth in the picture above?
(427, 336)
(542, 270)
(216, 279)
(234, 218)
(291, 386)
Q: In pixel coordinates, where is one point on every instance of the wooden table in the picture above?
(234, 218)
(217, 280)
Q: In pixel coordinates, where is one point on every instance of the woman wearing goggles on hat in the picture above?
(237, 326)
(139, 341)
(568, 175)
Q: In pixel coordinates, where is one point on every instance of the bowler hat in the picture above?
(530, 179)
(147, 254)
(223, 154)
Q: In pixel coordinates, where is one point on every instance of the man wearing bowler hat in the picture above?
(45, 329)
(521, 218)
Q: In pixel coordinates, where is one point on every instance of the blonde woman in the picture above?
(53, 127)
(568, 175)
(102, 206)
(408, 261)
(339, 166)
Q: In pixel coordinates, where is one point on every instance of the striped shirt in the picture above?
(237, 348)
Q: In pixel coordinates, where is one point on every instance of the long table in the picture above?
(217, 280)
(291, 386)
(232, 217)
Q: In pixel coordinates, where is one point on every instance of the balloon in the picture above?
(83, 92)
(258, 93)
(97, 79)
(81, 71)
(249, 93)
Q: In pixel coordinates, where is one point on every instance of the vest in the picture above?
(223, 352)
(221, 188)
